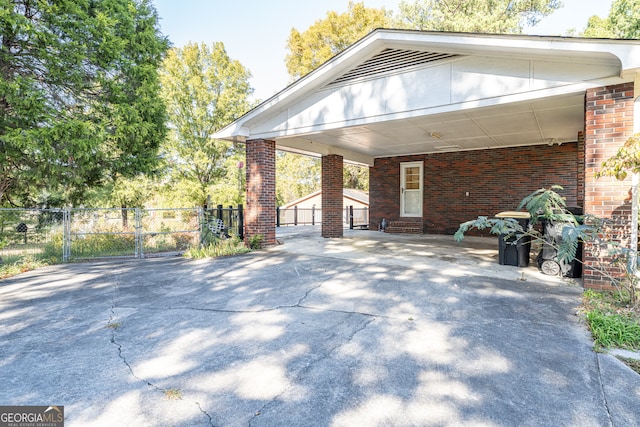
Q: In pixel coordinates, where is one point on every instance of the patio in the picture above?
(474, 256)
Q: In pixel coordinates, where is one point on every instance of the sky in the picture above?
(255, 32)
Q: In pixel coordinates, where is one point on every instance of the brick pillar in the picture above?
(260, 215)
(608, 124)
(332, 196)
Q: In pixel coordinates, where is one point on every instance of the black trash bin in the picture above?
(548, 261)
(514, 249)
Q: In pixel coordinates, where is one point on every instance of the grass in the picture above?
(612, 319)
(21, 265)
(173, 394)
(114, 325)
(98, 246)
(219, 247)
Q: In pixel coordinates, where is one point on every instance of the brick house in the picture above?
(452, 126)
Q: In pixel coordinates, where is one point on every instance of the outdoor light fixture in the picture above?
(435, 135)
(551, 141)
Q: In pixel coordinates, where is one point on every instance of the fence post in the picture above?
(138, 233)
(66, 234)
(313, 215)
(278, 216)
(295, 215)
(240, 222)
(219, 212)
(230, 227)
(200, 213)
(350, 217)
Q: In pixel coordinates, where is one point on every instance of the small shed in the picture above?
(308, 209)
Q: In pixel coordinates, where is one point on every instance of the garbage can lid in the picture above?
(514, 214)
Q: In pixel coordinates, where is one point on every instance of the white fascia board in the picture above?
(626, 52)
(302, 87)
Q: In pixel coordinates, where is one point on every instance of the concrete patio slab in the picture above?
(333, 332)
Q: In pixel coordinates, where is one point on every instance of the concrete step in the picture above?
(405, 227)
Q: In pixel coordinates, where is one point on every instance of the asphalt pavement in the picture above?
(368, 330)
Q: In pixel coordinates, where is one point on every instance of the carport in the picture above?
(452, 126)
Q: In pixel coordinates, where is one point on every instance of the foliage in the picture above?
(218, 247)
(498, 226)
(613, 320)
(103, 245)
(204, 90)
(173, 394)
(546, 204)
(474, 16)
(613, 330)
(78, 95)
(329, 36)
(623, 21)
(24, 264)
(130, 192)
(296, 176)
(627, 159)
(231, 188)
(356, 176)
(255, 242)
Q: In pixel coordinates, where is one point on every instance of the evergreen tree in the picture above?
(79, 95)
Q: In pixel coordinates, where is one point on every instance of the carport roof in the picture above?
(404, 92)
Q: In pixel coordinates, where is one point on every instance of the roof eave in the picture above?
(626, 52)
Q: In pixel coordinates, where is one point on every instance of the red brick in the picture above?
(260, 216)
(332, 199)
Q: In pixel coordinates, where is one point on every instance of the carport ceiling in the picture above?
(553, 120)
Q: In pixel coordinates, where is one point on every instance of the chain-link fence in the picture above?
(135, 233)
(61, 235)
(31, 232)
(56, 235)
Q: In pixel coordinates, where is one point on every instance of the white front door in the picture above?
(411, 189)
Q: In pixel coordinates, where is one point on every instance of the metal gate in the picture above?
(128, 233)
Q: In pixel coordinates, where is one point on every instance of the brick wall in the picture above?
(496, 181)
(260, 215)
(332, 179)
(608, 124)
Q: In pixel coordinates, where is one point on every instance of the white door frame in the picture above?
(415, 195)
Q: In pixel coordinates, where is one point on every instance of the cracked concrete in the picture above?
(341, 332)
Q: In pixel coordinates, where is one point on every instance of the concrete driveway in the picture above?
(368, 330)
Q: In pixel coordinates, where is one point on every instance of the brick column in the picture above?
(608, 124)
(260, 215)
(332, 196)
